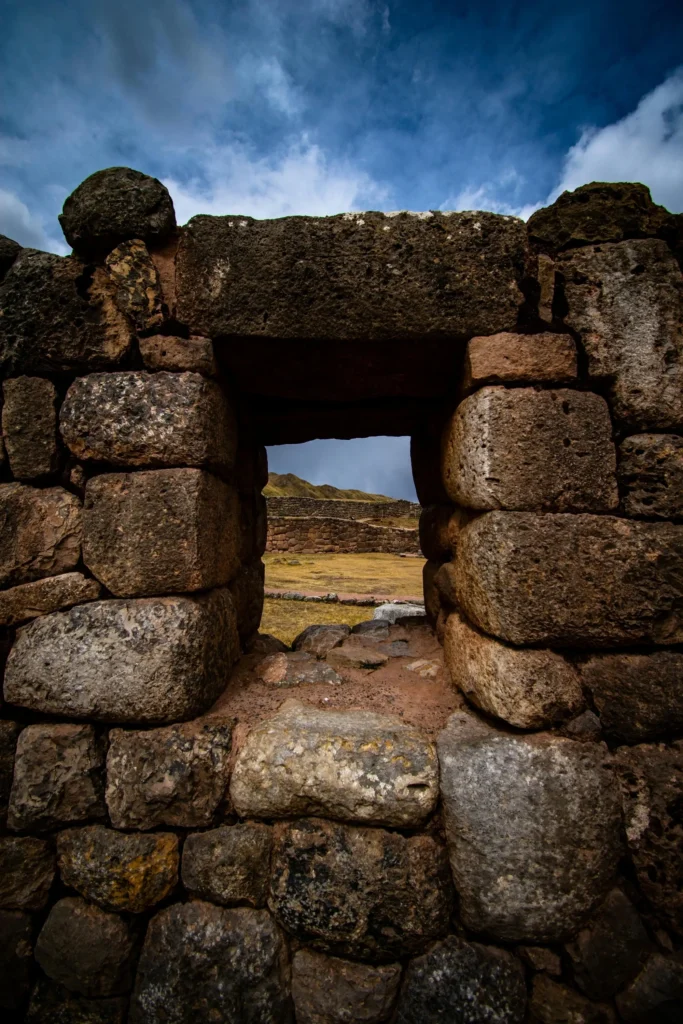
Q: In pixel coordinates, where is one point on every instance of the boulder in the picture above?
(372, 629)
(530, 689)
(524, 449)
(350, 765)
(574, 580)
(174, 776)
(9, 250)
(58, 315)
(51, 1003)
(638, 696)
(656, 995)
(162, 531)
(552, 1003)
(319, 640)
(40, 533)
(163, 352)
(295, 669)
(16, 958)
(138, 288)
(201, 962)
(626, 303)
(530, 864)
(114, 205)
(651, 475)
(610, 950)
(9, 734)
(86, 949)
(118, 871)
(57, 777)
(247, 594)
(229, 865)
(29, 426)
(652, 780)
(327, 990)
(520, 359)
(27, 867)
(353, 654)
(153, 660)
(364, 893)
(463, 981)
(52, 594)
(135, 418)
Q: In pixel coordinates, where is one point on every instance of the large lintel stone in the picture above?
(575, 580)
(40, 533)
(153, 660)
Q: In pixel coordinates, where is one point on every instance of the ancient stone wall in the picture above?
(339, 509)
(159, 863)
(317, 534)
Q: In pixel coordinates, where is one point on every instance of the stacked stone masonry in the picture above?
(313, 525)
(158, 863)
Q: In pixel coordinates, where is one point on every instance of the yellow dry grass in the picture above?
(374, 573)
(286, 619)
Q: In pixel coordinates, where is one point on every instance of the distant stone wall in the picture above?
(339, 509)
(316, 534)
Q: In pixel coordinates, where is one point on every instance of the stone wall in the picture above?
(342, 865)
(338, 509)
(316, 534)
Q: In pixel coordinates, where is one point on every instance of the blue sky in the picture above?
(271, 107)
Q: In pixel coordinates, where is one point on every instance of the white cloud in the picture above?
(302, 181)
(267, 76)
(18, 223)
(485, 197)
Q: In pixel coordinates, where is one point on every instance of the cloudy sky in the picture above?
(273, 107)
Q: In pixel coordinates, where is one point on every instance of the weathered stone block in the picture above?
(552, 1003)
(611, 949)
(114, 205)
(463, 981)
(656, 994)
(425, 462)
(320, 640)
(626, 302)
(27, 867)
(9, 250)
(29, 426)
(432, 598)
(540, 958)
(86, 949)
(205, 962)
(152, 660)
(51, 1003)
(58, 315)
(174, 776)
(571, 579)
(295, 669)
(9, 734)
(353, 654)
(327, 990)
(638, 696)
(530, 863)
(40, 533)
(520, 358)
(31, 600)
(247, 594)
(162, 531)
(16, 958)
(526, 449)
(138, 288)
(351, 765)
(359, 892)
(135, 418)
(161, 352)
(530, 689)
(651, 475)
(435, 540)
(57, 777)
(229, 865)
(652, 781)
(118, 871)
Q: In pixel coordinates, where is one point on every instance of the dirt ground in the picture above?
(375, 573)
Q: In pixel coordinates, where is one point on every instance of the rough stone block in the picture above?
(540, 958)
(432, 598)
(351, 654)
(16, 958)
(51, 1003)
(652, 781)
(530, 689)
(435, 538)
(656, 994)
(58, 315)
(611, 949)
(425, 462)
(651, 475)
(27, 867)
(444, 581)
(626, 302)
(359, 892)
(57, 777)
(247, 594)
(320, 640)
(135, 418)
(40, 533)
(161, 352)
(162, 531)
(552, 1003)
(327, 990)
(174, 776)
(118, 871)
(295, 669)
(520, 358)
(9, 734)
(52, 594)
(9, 250)
(524, 449)
(86, 949)
(463, 981)
(571, 579)
(138, 288)
(638, 696)
(29, 426)
(153, 660)
(114, 205)
(530, 864)
(350, 765)
(201, 962)
(229, 865)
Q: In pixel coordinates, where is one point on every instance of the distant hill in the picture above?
(286, 485)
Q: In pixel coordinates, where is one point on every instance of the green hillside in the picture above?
(286, 485)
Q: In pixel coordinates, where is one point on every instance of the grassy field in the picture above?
(375, 573)
(286, 619)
